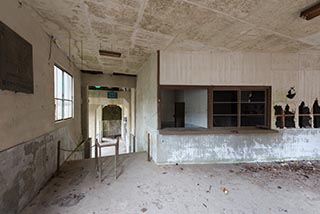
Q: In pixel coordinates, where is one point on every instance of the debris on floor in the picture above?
(302, 168)
(144, 210)
(207, 188)
(225, 190)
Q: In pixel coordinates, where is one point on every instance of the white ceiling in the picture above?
(137, 28)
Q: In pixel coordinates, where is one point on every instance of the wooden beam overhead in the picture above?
(311, 12)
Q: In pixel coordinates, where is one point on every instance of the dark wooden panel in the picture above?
(16, 69)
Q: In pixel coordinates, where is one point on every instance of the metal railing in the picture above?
(72, 151)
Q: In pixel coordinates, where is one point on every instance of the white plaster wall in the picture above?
(279, 70)
(26, 116)
(146, 103)
(196, 112)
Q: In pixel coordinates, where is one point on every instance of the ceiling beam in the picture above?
(311, 12)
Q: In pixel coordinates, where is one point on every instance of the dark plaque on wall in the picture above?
(16, 70)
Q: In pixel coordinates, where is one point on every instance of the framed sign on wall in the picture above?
(16, 62)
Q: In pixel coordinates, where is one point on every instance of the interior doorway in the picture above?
(179, 114)
(111, 115)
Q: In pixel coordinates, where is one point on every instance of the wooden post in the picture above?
(58, 156)
(96, 154)
(100, 165)
(149, 157)
(134, 143)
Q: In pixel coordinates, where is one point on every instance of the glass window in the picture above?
(239, 107)
(63, 94)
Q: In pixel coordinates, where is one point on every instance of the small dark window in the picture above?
(241, 107)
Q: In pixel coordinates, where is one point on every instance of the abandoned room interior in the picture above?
(159, 106)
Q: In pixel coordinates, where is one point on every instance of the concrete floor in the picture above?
(143, 187)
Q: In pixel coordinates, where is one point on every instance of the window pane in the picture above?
(252, 108)
(225, 108)
(252, 96)
(252, 120)
(67, 86)
(67, 109)
(57, 82)
(225, 121)
(225, 96)
(58, 109)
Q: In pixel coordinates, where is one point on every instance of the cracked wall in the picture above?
(282, 72)
(29, 133)
(27, 167)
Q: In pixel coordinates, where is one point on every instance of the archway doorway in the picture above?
(111, 121)
(111, 117)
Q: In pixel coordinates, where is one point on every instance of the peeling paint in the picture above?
(289, 118)
(175, 25)
(293, 144)
(278, 112)
(27, 167)
(291, 93)
(304, 121)
(316, 110)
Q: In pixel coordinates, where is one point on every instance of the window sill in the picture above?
(63, 120)
(195, 131)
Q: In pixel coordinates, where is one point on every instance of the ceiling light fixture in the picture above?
(122, 74)
(91, 72)
(311, 12)
(109, 53)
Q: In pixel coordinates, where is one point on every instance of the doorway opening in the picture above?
(111, 116)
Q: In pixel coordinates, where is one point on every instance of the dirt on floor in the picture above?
(143, 187)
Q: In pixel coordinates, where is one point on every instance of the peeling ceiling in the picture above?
(137, 28)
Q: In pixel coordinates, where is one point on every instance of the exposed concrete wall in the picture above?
(146, 113)
(228, 148)
(26, 168)
(27, 160)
